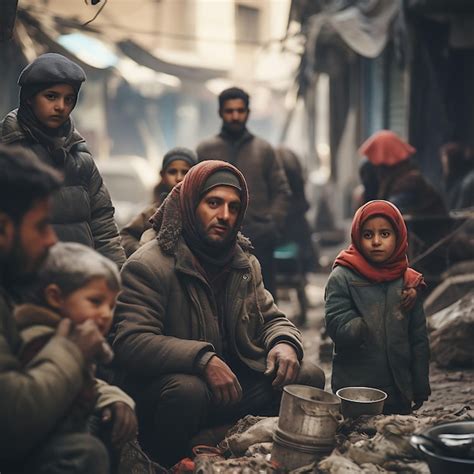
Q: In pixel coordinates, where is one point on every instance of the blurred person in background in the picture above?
(296, 228)
(268, 187)
(458, 173)
(82, 209)
(176, 163)
(400, 180)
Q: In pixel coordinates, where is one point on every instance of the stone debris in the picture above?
(248, 431)
(452, 333)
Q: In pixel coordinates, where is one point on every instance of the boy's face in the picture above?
(378, 240)
(94, 301)
(175, 173)
(52, 106)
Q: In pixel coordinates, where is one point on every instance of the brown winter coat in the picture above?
(267, 184)
(166, 320)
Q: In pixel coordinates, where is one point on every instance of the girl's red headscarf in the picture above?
(386, 148)
(397, 265)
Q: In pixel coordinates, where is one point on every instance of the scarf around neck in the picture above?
(58, 142)
(397, 265)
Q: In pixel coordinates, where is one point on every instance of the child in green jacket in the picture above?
(374, 314)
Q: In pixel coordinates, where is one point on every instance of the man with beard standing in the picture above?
(34, 398)
(199, 339)
(268, 187)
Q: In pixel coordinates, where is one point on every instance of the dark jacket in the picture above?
(34, 398)
(268, 187)
(37, 326)
(405, 186)
(166, 319)
(82, 209)
(376, 345)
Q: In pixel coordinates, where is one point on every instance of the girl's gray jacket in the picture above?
(376, 344)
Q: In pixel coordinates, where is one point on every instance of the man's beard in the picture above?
(235, 129)
(18, 271)
(217, 244)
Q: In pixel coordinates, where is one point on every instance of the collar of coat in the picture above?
(34, 321)
(11, 131)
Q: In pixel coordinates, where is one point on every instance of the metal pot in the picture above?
(357, 401)
(307, 425)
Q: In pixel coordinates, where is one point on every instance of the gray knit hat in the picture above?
(179, 153)
(47, 69)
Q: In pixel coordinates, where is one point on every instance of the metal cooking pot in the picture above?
(442, 463)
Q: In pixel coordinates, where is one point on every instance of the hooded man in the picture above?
(268, 186)
(198, 337)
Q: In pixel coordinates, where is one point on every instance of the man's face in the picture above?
(29, 242)
(234, 114)
(217, 213)
(52, 106)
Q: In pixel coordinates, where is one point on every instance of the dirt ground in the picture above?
(451, 389)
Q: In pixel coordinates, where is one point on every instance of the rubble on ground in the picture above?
(366, 445)
(452, 333)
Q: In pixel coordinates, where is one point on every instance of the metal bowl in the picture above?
(357, 401)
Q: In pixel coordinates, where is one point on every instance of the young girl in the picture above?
(374, 315)
(82, 210)
(176, 163)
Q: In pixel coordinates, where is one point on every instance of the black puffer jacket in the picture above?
(82, 209)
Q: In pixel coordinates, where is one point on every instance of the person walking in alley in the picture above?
(176, 163)
(199, 340)
(268, 186)
(374, 314)
(35, 397)
(82, 210)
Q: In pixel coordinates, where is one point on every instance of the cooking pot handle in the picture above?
(314, 411)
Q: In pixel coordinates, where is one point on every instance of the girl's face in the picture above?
(378, 239)
(175, 172)
(52, 106)
(94, 301)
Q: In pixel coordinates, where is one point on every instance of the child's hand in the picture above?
(123, 423)
(408, 299)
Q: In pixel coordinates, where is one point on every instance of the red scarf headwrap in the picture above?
(386, 148)
(397, 265)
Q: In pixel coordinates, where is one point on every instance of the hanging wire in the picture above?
(97, 13)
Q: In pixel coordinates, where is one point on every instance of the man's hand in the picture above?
(86, 336)
(222, 381)
(284, 360)
(122, 421)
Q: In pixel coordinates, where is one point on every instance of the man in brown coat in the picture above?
(268, 186)
(34, 398)
(198, 337)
